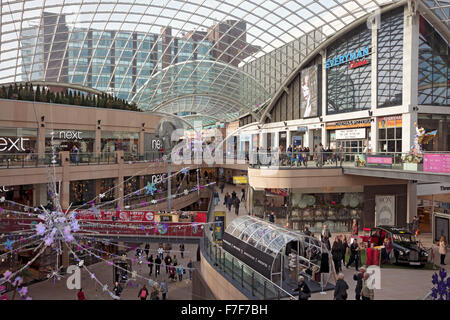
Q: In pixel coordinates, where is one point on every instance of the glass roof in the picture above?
(176, 56)
(261, 234)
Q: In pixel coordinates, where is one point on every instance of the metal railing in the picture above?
(396, 161)
(28, 160)
(77, 159)
(247, 278)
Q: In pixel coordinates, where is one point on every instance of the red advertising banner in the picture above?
(139, 223)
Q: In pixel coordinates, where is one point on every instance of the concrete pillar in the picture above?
(276, 140)
(374, 87)
(98, 141)
(410, 77)
(65, 182)
(97, 185)
(39, 195)
(41, 140)
(323, 53)
(411, 201)
(288, 139)
(141, 143)
(119, 191)
(324, 137)
(65, 257)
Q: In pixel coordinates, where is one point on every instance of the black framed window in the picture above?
(348, 87)
(434, 67)
(390, 59)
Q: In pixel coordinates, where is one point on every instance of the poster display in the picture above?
(439, 163)
(219, 225)
(309, 92)
(384, 210)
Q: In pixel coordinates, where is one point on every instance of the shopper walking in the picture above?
(237, 203)
(175, 261)
(117, 289)
(147, 250)
(344, 248)
(167, 261)
(366, 292)
(160, 253)
(222, 186)
(189, 265)
(150, 265)
(354, 255)
(243, 195)
(442, 249)
(325, 236)
(304, 293)
(155, 293)
(272, 217)
(355, 228)
(180, 271)
(143, 293)
(164, 289)
(182, 250)
(157, 266)
(336, 252)
(80, 295)
(358, 277)
(340, 290)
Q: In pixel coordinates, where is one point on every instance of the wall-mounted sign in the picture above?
(219, 225)
(355, 59)
(302, 129)
(357, 123)
(379, 161)
(348, 134)
(390, 122)
(436, 163)
(8, 144)
(70, 135)
(158, 178)
(240, 180)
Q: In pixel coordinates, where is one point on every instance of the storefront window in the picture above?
(441, 123)
(115, 141)
(81, 191)
(348, 84)
(107, 188)
(390, 59)
(65, 139)
(434, 67)
(390, 134)
(18, 140)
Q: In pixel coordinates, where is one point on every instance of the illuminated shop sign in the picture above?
(357, 123)
(355, 59)
(8, 144)
(70, 135)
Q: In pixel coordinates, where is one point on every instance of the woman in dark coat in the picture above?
(340, 291)
(336, 252)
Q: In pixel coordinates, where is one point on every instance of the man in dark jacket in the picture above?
(358, 277)
(157, 266)
(236, 205)
(354, 254)
(167, 261)
(304, 293)
(340, 291)
(117, 289)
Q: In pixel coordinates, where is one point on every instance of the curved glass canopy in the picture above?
(265, 236)
(205, 53)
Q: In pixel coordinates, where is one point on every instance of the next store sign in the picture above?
(349, 58)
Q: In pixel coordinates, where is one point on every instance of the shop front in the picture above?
(439, 122)
(22, 194)
(18, 140)
(390, 135)
(66, 139)
(349, 136)
(115, 141)
(298, 137)
(433, 208)
(335, 207)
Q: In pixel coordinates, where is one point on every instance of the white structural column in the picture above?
(411, 206)
(374, 86)
(323, 53)
(288, 138)
(410, 77)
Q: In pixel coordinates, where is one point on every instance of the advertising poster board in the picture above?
(219, 225)
(384, 210)
(309, 98)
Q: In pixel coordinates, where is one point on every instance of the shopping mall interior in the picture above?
(216, 150)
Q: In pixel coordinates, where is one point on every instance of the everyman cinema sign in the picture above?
(354, 59)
